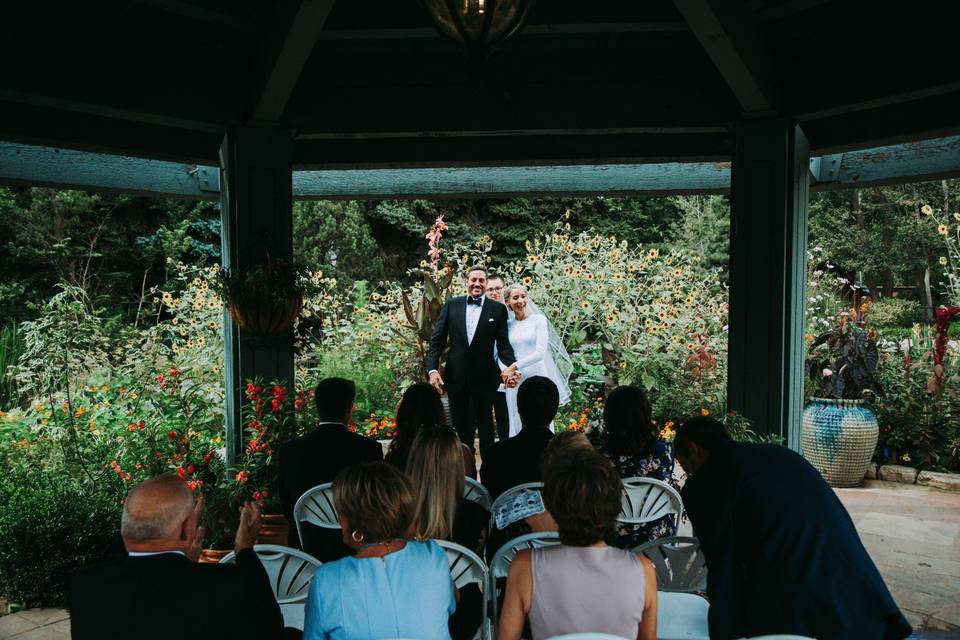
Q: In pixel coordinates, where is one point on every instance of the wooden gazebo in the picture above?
(256, 103)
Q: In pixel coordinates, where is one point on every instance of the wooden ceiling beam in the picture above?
(286, 51)
(202, 14)
(735, 48)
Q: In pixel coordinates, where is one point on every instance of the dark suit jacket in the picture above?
(167, 596)
(514, 461)
(782, 553)
(470, 366)
(313, 459)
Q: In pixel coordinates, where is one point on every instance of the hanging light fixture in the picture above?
(479, 24)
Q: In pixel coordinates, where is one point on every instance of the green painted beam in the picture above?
(64, 168)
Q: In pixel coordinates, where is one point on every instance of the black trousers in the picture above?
(502, 415)
(472, 413)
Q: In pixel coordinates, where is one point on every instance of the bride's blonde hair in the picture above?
(509, 290)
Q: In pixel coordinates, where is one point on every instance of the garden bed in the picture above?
(908, 475)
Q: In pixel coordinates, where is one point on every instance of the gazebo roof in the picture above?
(369, 83)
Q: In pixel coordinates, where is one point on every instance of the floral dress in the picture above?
(657, 463)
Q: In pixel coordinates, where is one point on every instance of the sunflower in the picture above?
(943, 261)
(927, 210)
(943, 229)
(585, 305)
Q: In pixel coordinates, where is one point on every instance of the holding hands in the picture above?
(510, 376)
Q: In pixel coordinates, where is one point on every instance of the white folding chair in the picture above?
(500, 564)
(290, 572)
(648, 499)
(780, 636)
(476, 492)
(508, 496)
(681, 616)
(466, 567)
(315, 507)
(678, 562)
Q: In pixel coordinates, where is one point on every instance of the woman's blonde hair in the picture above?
(514, 287)
(435, 464)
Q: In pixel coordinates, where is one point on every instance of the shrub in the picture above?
(895, 312)
(50, 529)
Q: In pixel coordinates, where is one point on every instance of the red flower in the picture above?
(172, 435)
(141, 424)
(190, 469)
(181, 473)
(241, 477)
(131, 427)
(208, 457)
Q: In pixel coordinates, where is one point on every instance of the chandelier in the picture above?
(478, 24)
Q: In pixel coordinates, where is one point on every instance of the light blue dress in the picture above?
(405, 594)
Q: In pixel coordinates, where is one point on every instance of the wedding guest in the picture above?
(419, 408)
(159, 589)
(782, 553)
(632, 443)
(581, 585)
(392, 587)
(495, 286)
(317, 457)
(436, 468)
(517, 460)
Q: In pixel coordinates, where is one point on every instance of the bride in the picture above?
(537, 347)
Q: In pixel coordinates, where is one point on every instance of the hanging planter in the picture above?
(265, 299)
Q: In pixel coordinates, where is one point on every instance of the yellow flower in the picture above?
(956, 216)
(527, 281)
(943, 261)
(80, 411)
(927, 210)
(104, 389)
(212, 325)
(943, 229)
(589, 276)
(533, 259)
(653, 253)
(585, 305)
(905, 457)
(704, 412)
(517, 269)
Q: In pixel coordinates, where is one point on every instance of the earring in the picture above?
(357, 536)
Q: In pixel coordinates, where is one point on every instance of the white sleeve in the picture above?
(543, 343)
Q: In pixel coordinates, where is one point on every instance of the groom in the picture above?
(473, 324)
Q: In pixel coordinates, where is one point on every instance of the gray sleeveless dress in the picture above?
(586, 590)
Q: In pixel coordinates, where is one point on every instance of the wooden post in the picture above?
(768, 262)
(256, 181)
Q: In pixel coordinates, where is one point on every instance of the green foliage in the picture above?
(52, 527)
(11, 347)
(842, 363)
(895, 312)
(336, 238)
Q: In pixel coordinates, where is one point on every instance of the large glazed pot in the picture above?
(839, 439)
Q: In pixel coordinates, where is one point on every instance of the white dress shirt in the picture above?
(473, 317)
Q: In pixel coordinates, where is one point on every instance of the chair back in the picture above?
(289, 570)
(678, 562)
(508, 496)
(500, 564)
(648, 499)
(476, 492)
(315, 506)
(682, 615)
(466, 567)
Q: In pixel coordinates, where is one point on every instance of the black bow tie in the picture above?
(476, 301)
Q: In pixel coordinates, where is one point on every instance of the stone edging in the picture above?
(908, 475)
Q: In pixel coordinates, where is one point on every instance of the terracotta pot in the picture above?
(212, 556)
(264, 320)
(274, 529)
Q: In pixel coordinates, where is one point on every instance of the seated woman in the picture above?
(391, 587)
(581, 585)
(435, 465)
(421, 407)
(631, 442)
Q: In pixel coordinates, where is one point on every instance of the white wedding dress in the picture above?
(531, 347)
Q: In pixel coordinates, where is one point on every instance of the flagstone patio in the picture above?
(912, 533)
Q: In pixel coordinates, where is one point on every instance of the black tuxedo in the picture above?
(471, 376)
(167, 596)
(316, 458)
(782, 554)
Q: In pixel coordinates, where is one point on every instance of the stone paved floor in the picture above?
(912, 533)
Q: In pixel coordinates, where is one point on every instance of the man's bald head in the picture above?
(155, 511)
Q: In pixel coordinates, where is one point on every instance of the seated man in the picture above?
(517, 460)
(783, 556)
(317, 457)
(159, 591)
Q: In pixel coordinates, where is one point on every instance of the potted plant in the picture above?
(839, 429)
(264, 299)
